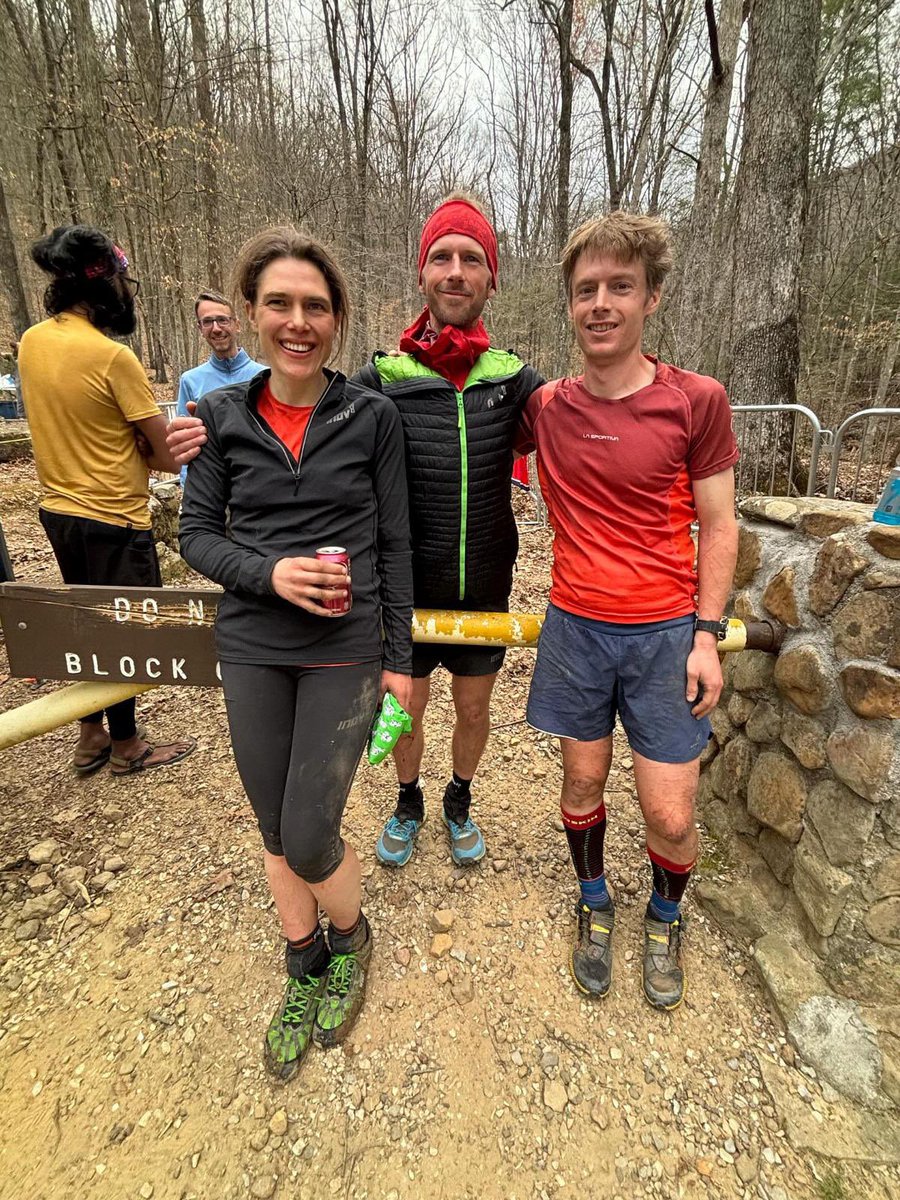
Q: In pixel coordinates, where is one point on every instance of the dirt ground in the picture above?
(130, 1029)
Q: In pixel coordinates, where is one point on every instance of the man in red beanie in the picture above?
(460, 401)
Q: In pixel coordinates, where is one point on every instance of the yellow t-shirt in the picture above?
(81, 392)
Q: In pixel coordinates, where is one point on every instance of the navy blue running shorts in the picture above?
(587, 671)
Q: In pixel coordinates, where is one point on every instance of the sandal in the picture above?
(102, 757)
(131, 766)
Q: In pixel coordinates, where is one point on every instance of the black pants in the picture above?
(94, 552)
(297, 735)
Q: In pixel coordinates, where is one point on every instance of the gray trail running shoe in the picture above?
(591, 961)
(345, 988)
(290, 1031)
(663, 975)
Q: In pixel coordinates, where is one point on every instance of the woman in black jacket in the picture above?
(298, 459)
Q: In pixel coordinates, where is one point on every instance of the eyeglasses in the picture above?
(211, 322)
(134, 285)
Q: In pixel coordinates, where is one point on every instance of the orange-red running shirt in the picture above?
(616, 478)
(287, 421)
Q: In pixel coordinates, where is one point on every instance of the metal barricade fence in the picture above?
(869, 460)
(856, 467)
(760, 457)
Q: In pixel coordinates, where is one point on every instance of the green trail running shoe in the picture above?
(290, 1031)
(663, 973)
(345, 988)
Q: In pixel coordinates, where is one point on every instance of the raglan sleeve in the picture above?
(394, 553)
(204, 543)
(524, 442)
(713, 447)
(131, 388)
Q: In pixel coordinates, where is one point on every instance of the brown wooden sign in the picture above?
(145, 635)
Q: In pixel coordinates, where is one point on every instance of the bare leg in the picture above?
(411, 747)
(298, 902)
(585, 772)
(666, 793)
(472, 701)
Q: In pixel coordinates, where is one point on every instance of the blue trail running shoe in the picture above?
(466, 842)
(397, 842)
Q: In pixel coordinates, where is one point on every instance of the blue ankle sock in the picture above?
(662, 909)
(594, 893)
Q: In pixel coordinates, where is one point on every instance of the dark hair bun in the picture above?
(70, 248)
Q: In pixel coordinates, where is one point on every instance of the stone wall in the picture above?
(801, 783)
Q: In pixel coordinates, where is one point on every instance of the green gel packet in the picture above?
(390, 723)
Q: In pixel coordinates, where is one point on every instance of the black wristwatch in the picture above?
(719, 628)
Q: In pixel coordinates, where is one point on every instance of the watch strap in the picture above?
(719, 628)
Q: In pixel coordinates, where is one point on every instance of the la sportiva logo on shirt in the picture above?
(600, 437)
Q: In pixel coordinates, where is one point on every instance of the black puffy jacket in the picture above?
(459, 454)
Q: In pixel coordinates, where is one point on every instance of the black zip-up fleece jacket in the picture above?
(347, 489)
(459, 455)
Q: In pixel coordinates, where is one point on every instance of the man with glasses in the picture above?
(228, 363)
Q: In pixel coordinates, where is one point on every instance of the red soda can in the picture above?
(337, 554)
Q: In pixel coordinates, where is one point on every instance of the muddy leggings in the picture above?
(297, 735)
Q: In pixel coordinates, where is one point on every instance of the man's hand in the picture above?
(400, 687)
(185, 436)
(309, 582)
(144, 448)
(704, 675)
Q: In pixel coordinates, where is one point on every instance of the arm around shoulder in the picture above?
(201, 534)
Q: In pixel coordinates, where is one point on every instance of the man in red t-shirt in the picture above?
(629, 455)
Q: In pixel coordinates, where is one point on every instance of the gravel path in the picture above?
(140, 963)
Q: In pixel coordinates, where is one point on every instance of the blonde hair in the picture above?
(625, 237)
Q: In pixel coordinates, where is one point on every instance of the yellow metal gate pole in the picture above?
(59, 708)
(429, 625)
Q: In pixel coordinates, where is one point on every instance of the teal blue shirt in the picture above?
(214, 373)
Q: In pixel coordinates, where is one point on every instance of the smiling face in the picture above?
(218, 327)
(609, 304)
(456, 281)
(295, 322)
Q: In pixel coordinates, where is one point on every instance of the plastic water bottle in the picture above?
(888, 510)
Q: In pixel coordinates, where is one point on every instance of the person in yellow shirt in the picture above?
(90, 408)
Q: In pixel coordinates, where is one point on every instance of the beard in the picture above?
(119, 316)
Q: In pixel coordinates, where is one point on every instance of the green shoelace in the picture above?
(302, 991)
(340, 974)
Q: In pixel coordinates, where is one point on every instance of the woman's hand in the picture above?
(400, 687)
(309, 582)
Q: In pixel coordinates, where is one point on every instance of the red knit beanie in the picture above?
(459, 216)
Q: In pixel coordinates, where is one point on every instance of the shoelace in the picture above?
(340, 973)
(301, 993)
(398, 828)
(468, 826)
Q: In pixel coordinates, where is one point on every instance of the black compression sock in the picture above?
(410, 802)
(307, 956)
(457, 799)
(344, 941)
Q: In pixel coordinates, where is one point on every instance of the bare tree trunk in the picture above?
(701, 258)
(10, 275)
(209, 186)
(771, 201)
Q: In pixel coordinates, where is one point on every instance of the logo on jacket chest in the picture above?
(342, 415)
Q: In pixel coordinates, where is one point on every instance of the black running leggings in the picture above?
(297, 735)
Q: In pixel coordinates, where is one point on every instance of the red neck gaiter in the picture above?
(452, 352)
